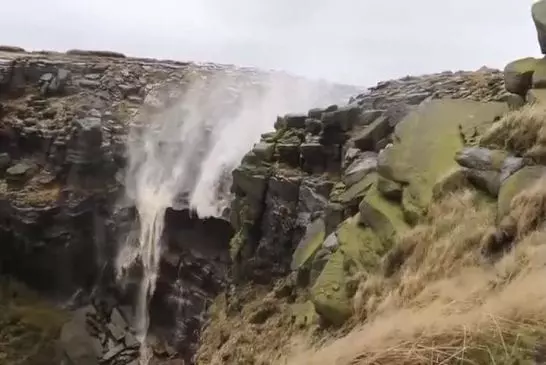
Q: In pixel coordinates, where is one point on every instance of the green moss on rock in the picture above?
(426, 142)
(518, 75)
(329, 294)
(362, 247)
(536, 96)
(389, 189)
(452, 181)
(515, 184)
(354, 194)
(309, 245)
(383, 216)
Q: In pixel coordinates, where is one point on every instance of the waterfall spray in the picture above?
(191, 148)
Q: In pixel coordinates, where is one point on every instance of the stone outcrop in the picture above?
(376, 165)
(539, 17)
(324, 163)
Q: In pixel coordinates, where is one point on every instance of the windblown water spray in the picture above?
(190, 149)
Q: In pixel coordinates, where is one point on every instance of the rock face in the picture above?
(539, 17)
(324, 163)
(315, 202)
(321, 200)
(64, 124)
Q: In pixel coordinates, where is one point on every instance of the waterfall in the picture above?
(189, 149)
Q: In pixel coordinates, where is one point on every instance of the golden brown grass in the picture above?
(521, 131)
(236, 335)
(444, 303)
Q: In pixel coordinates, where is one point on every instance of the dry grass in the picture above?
(521, 131)
(251, 329)
(444, 303)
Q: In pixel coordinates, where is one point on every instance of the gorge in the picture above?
(163, 212)
(116, 183)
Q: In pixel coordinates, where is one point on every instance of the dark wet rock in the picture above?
(289, 153)
(295, 120)
(313, 126)
(314, 157)
(343, 118)
(5, 160)
(6, 48)
(264, 151)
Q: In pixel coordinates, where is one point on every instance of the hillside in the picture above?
(156, 212)
(428, 248)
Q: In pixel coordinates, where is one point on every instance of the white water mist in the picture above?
(190, 149)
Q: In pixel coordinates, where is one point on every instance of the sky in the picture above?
(358, 42)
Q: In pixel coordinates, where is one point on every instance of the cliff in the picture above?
(401, 228)
(378, 230)
(68, 125)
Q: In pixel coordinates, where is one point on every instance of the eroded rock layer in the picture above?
(65, 119)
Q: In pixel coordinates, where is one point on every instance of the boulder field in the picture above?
(318, 202)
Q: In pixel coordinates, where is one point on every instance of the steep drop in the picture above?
(182, 156)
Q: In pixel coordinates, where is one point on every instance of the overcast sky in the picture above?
(353, 41)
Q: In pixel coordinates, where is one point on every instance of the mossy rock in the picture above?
(411, 208)
(539, 74)
(383, 216)
(359, 250)
(251, 180)
(426, 142)
(309, 245)
(452, 181)
(352, 197)
(361, 245)
(519, 181)
(536, 96)
(518, 75)
(329, 294)
(264, 151)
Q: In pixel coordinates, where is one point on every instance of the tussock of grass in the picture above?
(522, 131)
(443, 302)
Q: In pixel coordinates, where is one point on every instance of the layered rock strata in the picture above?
(65, 119)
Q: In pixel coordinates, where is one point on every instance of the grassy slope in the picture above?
(440, 298)
(447, 302)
